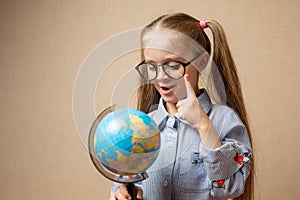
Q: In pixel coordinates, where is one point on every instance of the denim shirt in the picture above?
(186, 170)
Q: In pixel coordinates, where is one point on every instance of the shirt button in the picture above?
(171, 144)
(165, 183)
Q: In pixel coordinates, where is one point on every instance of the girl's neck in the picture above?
(171, 108)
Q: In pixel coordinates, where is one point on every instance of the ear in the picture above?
(204, 58)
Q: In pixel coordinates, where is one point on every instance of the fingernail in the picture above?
(187, 77)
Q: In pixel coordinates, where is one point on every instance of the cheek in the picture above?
(156, 86)
(180, 91)
(194, 76)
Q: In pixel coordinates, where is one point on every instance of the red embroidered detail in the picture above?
(240, 159)
(219, 184)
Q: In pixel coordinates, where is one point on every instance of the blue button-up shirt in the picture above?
(186, 170)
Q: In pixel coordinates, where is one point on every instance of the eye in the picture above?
(151, 67)
(173, 65)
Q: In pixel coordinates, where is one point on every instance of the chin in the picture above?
(172, 100)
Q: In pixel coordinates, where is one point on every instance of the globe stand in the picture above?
(131, 190)
(128, 180)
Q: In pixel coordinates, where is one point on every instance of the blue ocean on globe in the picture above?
(127, 141)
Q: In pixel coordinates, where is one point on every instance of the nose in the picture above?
(160, 73)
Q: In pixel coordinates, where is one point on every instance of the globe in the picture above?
(126, 142)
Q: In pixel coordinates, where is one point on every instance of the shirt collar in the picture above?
(161, 112)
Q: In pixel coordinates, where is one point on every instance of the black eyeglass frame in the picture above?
(163, 67)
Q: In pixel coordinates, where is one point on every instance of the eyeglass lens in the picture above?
(150, 71)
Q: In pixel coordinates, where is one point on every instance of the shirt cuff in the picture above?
(220, 163)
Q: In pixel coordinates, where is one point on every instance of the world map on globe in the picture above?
(127, 141)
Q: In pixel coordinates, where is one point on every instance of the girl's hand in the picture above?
(122, 193)
(189, 109)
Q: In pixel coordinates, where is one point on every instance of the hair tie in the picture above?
(202, 24)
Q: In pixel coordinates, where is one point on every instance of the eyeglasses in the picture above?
(174, 69)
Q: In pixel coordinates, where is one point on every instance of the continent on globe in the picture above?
(127, 141)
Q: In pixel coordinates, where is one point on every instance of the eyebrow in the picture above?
(166, 60)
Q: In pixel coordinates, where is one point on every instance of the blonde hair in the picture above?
(183, 23)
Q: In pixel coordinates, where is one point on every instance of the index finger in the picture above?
(189, 88)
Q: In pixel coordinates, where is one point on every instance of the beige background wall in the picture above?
(43, 44)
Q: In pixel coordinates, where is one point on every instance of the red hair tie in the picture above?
(202, 24)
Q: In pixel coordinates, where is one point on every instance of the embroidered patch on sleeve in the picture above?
(219, 184)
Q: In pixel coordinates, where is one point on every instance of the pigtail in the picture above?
(227, 68)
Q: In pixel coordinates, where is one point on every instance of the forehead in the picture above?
(166, 42)
(159, 55)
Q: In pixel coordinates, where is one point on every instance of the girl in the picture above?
(205, 148)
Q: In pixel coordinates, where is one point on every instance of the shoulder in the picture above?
(152, 113)
(224, 112)
(227, 122)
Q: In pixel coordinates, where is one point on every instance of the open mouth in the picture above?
(166, 89)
